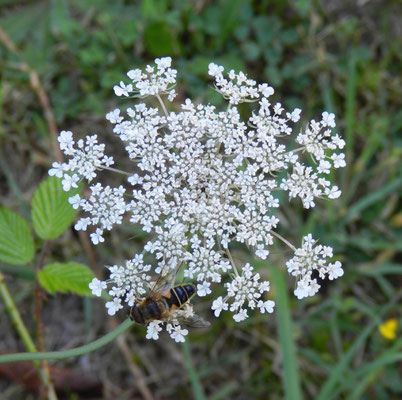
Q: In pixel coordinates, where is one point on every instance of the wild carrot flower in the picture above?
(203, 179)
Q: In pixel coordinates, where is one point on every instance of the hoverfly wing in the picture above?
(195, 321)
(165, 280)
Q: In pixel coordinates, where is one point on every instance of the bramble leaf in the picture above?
(66, 277)
(51, 211)
(16, 240)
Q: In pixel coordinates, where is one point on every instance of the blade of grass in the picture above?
(372, 369)
(226, 390)
(198, 391)
(378, 128)
(341, 369)
(350, 115)
(366, 242)
(385, 286)
(327, 92)
(372, 198)
(328, 98)
(384, 269)
(316, 359)
(291, 381)
(335, 332)
(358, 379)
(375, 366)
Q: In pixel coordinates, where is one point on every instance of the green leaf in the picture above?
(16, 241)
(51, 211)
(229, 20)
(152, 10)
(160, 39)
(68, 277)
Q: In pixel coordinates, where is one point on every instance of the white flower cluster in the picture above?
(206, 265)
(84, 160)
(106, 205)
(129, 282)
(244, 288)
(311, 258)
(152, 82)
(204, 179)
(173, 326)
(307, 184)
(175, 331)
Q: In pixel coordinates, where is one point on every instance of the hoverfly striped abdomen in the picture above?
(179, 295)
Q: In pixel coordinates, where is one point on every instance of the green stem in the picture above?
(280, 237)
(20, 327)
(119, 171)
(232, 262)
(15, 316)
(162, 105)
(77, 351)
(291, 381)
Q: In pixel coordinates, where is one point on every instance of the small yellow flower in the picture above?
(388, 328)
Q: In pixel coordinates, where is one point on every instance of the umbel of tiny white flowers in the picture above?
(203, 179)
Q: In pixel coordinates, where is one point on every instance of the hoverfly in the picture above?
(169, 304)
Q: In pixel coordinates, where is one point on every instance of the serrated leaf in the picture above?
(16, 240)
(66, 277)
(51, 211)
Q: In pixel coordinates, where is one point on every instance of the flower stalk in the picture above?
(20, 327)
